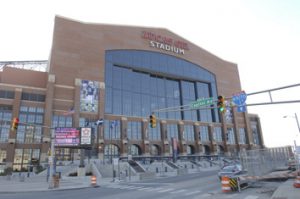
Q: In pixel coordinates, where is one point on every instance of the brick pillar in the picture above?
(236, 129)
(10, 150)
(48, 117)
(145, 138)
(249, 138)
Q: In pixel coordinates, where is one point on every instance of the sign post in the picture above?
(51, 160)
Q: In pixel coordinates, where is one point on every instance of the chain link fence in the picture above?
(263, 161)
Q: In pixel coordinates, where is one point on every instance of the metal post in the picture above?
(51, 160)
(297, 122)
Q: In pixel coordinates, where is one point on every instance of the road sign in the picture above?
(201, 102)
(239, 99)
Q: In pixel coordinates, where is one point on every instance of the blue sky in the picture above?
(261, 36)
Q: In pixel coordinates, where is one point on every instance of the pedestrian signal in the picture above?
(152, 121)
(15, 124)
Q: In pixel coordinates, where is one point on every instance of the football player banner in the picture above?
(89, 96)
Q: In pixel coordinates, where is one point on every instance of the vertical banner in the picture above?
(89, 96)
(174, 149)
(86, 137)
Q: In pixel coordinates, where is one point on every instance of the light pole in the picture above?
(296, 118)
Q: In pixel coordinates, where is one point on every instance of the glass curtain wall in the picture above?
(139, 82)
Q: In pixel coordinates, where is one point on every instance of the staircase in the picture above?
(171, 164)
(136, 166)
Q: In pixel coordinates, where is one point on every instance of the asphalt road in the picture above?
(199, 185)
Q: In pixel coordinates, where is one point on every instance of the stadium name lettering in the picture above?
(165, 43)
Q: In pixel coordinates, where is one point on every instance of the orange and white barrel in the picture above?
(297, 182)
(93, 181)
(225, 184)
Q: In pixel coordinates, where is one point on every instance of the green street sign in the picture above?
(201, 102)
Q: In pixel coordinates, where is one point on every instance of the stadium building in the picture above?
(119, 76)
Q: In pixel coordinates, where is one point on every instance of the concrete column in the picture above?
(181, 139)
(198, 143)
(164, 137)
(213, 144)
(224, 132)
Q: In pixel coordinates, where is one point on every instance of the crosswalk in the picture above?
(184, 192)
(188, 193)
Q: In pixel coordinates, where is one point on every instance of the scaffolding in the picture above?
(36, 65)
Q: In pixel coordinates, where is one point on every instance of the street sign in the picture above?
(239, 99)
(201, 102)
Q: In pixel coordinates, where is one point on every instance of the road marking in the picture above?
(192, 193)
(166, 190)
(179, 191)
(145, 188)
(155, 189)
(251, 197)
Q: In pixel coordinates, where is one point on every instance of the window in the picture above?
(33, 97)
(255, 132)
(188, 134)
(218, 134)
(230, 136)
(172, 131)
(5, 120)
(27, 133)
(112, 129)
(7, 94)
(242, 136)
(134, 131)
(204, 137)
(154, 133)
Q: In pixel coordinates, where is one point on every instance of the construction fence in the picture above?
(263, 161)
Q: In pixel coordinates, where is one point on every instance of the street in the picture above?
(197, 185)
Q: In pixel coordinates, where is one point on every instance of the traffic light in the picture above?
(221, 104)
(152, 121)
(15, 124)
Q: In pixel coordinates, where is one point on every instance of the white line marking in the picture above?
(166, 190)
(251, 197)
(192, 193)
(179, 191)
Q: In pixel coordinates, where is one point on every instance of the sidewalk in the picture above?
(287, 191)
(40, 184)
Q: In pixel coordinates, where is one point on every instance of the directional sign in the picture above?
(239, 99)
(201, 102)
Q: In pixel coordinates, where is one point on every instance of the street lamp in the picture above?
(296, 118)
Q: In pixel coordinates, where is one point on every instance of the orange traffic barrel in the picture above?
(225, 184)
(297, 182)
(93, 181)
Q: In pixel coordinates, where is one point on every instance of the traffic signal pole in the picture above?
(51, 159)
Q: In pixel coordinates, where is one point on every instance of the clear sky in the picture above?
(261, 36)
